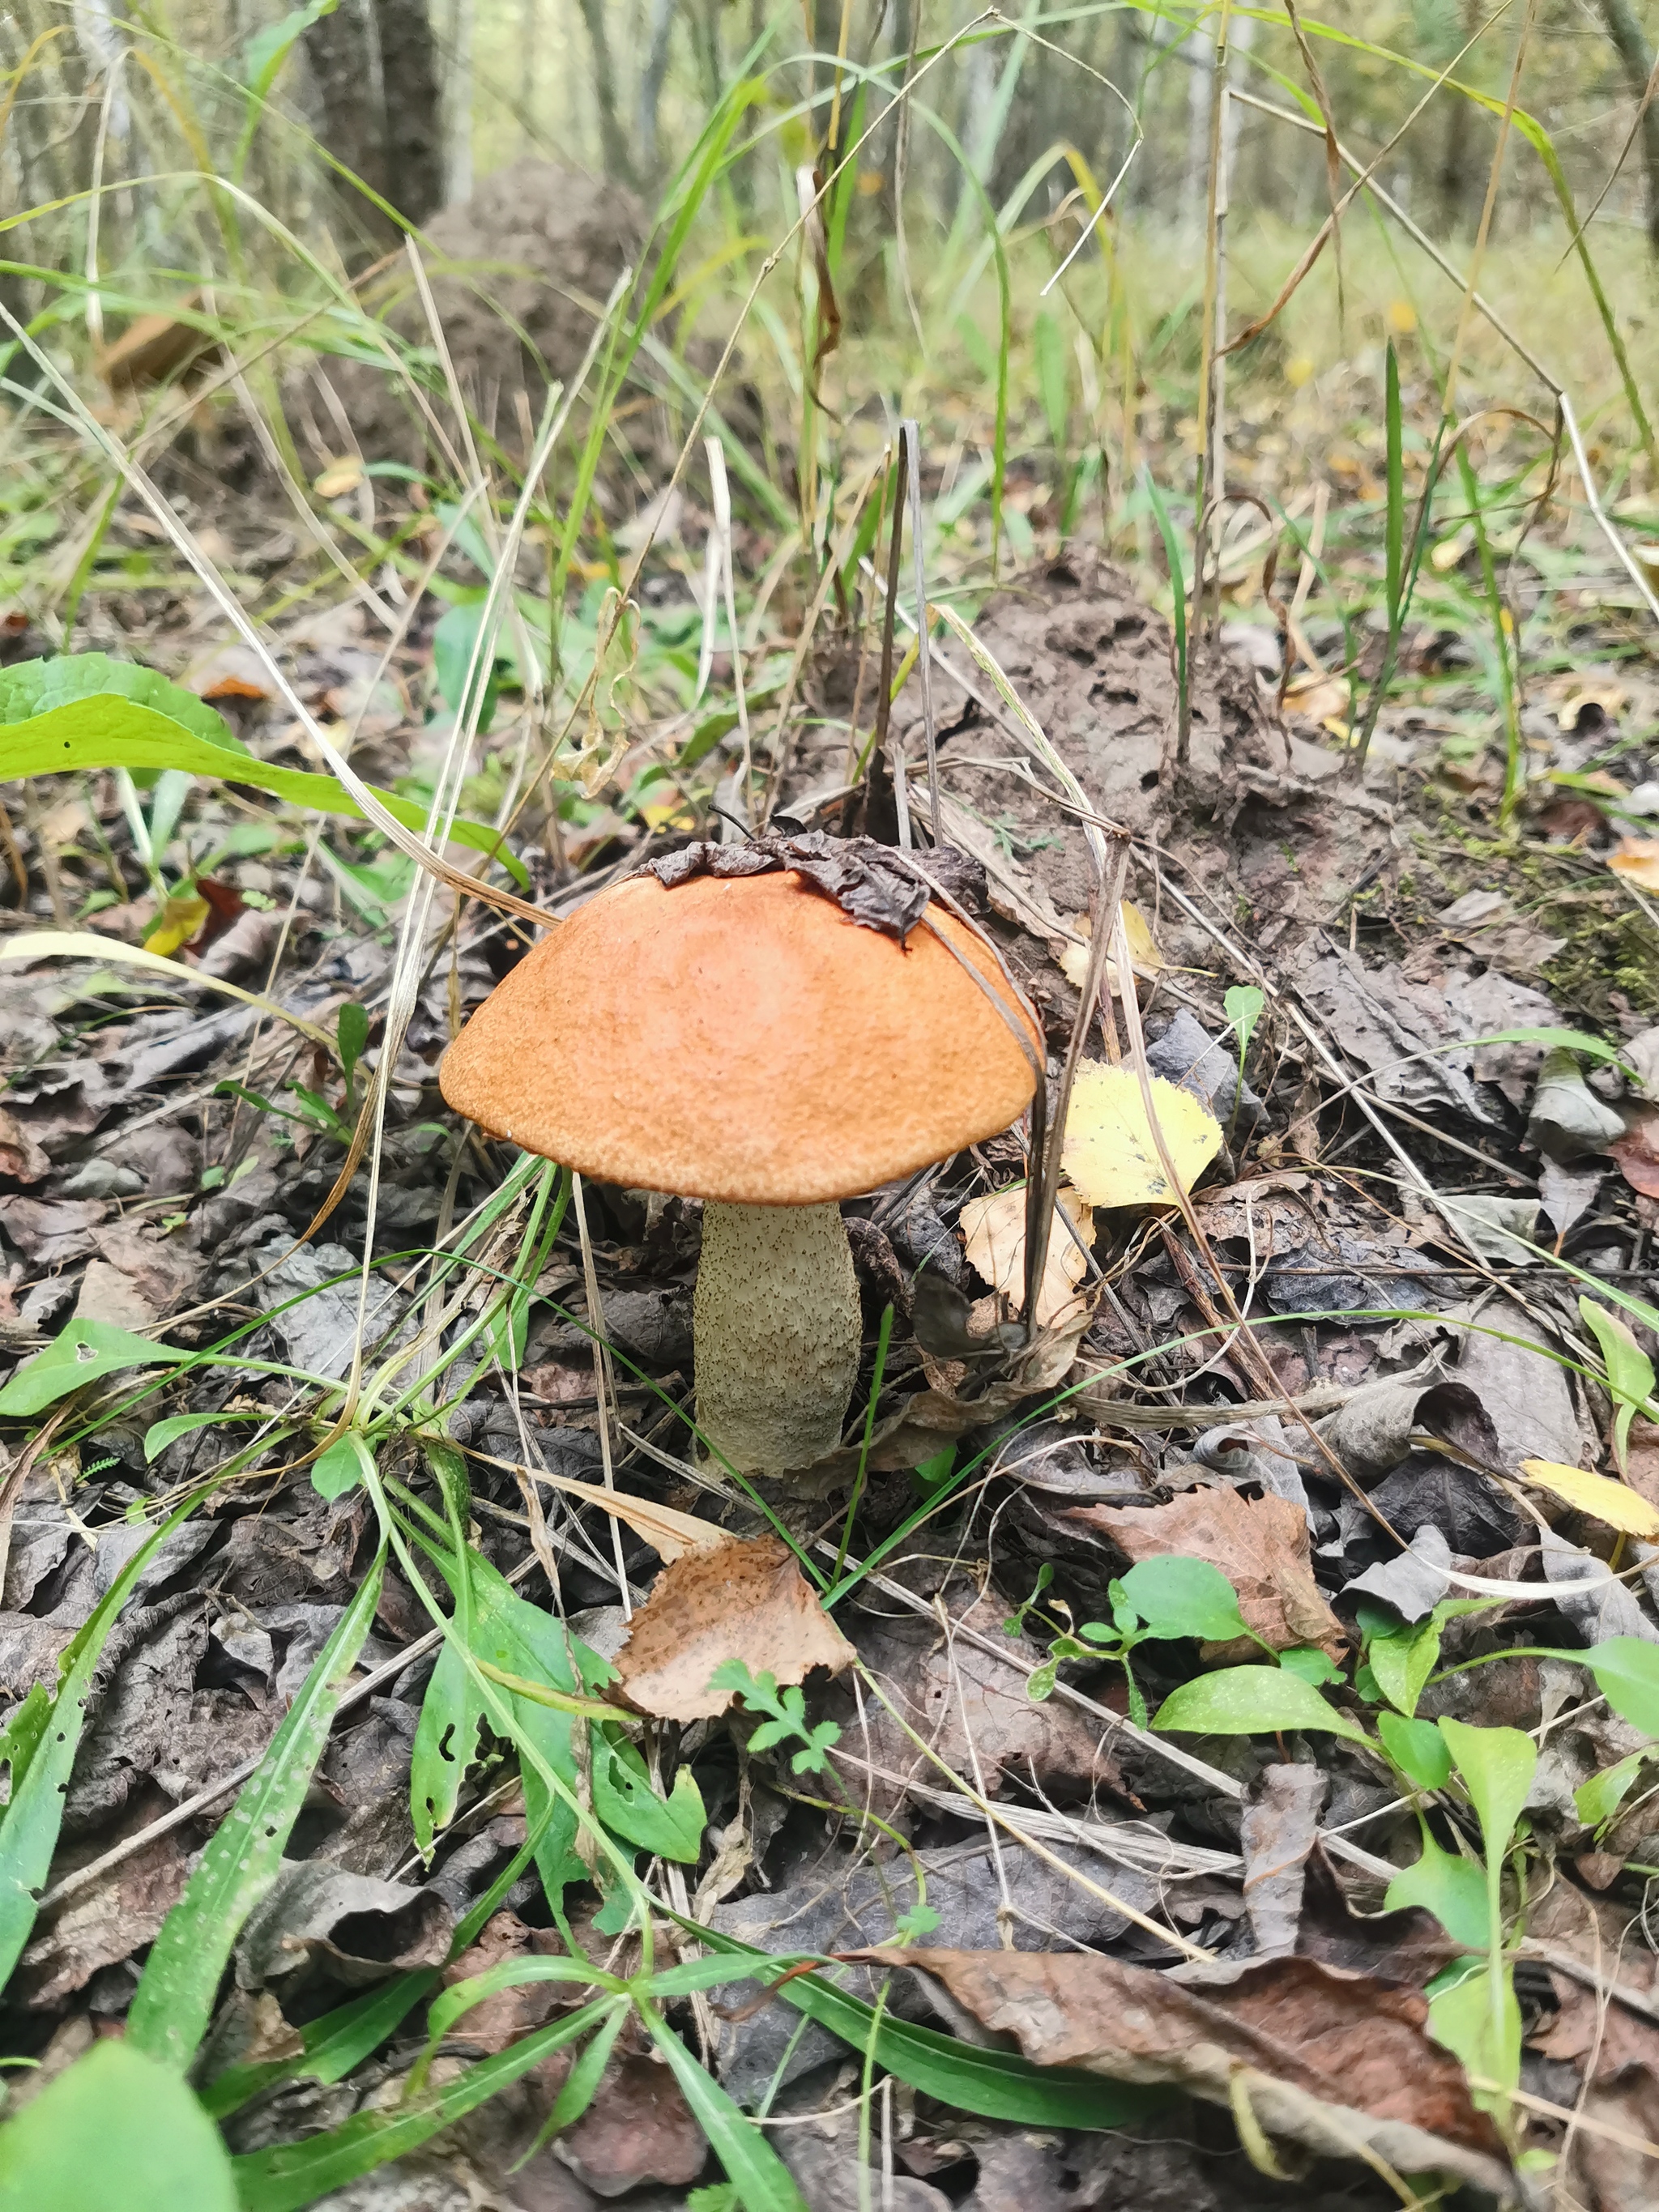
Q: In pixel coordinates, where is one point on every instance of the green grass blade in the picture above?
(1166, 529)
(28, 1834)
(174, 1998)
(105, 731)
(1395, 557)
(762, 2181)
(997, 2084)
(285, 2176)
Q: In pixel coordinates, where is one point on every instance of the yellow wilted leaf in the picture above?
(993, 1232)
(1402, 318)
(176, 923)
(1637, 860)
(1109, 1153)
(1298, 371)
(1144, 955)
(338, 478)
(1614, 1503)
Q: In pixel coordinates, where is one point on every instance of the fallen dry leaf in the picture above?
(1339, 2061)
(1637, 1151)
(993, 1232)
(1637, 859)
(639, 2128)
(1317, 697)
(747, 1600)
(1144, 956)
(1109, 1153)
(1260, 1544)
(1615, 1505)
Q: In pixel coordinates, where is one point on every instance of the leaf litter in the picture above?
(918, 1720)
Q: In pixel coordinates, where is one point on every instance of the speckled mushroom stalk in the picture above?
(775, 1314)
(740, 1039)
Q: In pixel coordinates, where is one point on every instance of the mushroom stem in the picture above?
(776, 1321)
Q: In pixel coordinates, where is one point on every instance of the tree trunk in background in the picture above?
(613, 139)
(414, 138)
(374, 66)
(1637, 56)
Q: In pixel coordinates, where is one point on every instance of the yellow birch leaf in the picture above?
(1109, 1153)
(1613, 1504)
(994, 1229)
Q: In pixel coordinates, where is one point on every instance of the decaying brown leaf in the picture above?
(747, 1600)
(1342, 2063)
(1260, 1544)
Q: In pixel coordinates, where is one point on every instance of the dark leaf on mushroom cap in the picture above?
(878, 887)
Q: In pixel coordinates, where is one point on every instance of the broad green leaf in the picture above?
(994, 2084)
(1049, 346)
(173, 2002)
(270, 47)
(1451, 1887)
(1461, 2018)
(20, 1737)
(334, 2045)
(126, 723)
(82, 1353)
(336, 1472)
(455, 642)
(582, 2082)
(762, 2181)
(115, 2133)
(285, 2176)
(1626, 1671)
(1403, 1663)
(160, 1434)
(350, 1037)
(625, 1801)
(1416, 1748)
(445, 1744)
(1497, 1764)
(28, 1832)
(1597, 1800)
(1242, 1006)
(1313, 1665)
(1630, 1372)
(1184, 1597)
(1252, 1701)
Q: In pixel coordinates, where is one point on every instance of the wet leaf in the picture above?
(85, 1351)
(747, 1600)
(1109, 1153)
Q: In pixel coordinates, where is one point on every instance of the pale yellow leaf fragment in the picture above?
(1613, 1504)
(993, 1229)
(1637, 860)
(1109, 1153)
(1144, 956)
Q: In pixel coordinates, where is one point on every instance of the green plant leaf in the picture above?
(1497, 1764)
(28, 1831)
(351, 1038)
(1395, 524)
(116, 2129)
(20, 1737)
(1597, 1800)
(173, 2002)
(1252, 1701)
(1630, 1372)
(160, 1434)
(82, 1352)
(84, 711)
(1177, 1597)
(285, 2176)
(1461, 2019)
(1403, 1662)
(1451, 1887)
(1416, 1748)
(1242, 1006)
(625, 1801)
(445, 1744)
(1626, 1671)
(762, 2181)
(1048, 349)
(268, 49)
(1313, 1665)
(338, 1472)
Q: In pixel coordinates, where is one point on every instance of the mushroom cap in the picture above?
(741, 1038)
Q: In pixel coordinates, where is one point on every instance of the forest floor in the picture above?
(1277, 1883)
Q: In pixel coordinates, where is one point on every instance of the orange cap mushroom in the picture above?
(743, 1040)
